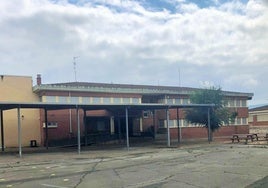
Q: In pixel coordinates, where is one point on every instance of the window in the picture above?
(135, 100)
(185, 123)
(106, 100)
(237, 103)
(50, 125)
(244, 121)
(126, 100)
(241, 121)
(74, 100)
(238, 121)
(244, 103)
(177, 101)
(85, 100)
(169, 101)
(147, 113)
(162, 123)
(180, 123)
(185, 101)
(96, 100)
(50, 99)
(231, 103)
(117, 100)
(62, 99)
(173, 123)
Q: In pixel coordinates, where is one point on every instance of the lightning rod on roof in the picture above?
(74, 62)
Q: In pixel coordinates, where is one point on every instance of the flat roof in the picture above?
(127, 88)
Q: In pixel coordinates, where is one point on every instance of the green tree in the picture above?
(219, 114)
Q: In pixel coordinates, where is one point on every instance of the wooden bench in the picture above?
(266, 137)
(260, 136)
(246, 137)
(255, 136)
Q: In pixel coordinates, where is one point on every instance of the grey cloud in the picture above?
(138, 46)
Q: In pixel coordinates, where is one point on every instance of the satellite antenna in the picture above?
(74, 62)
(179, 77)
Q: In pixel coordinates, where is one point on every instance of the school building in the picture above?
(258, 119)
(107, 120)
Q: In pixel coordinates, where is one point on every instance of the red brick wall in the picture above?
(201, 132)
(260, 123)
(62, 118)
(241, 111)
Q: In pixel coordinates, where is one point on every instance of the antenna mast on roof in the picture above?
(74, 62)
(179, 77)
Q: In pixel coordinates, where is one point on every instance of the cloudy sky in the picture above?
(191, 43)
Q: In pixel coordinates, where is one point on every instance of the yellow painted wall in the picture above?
(261, 115)
(19, 89)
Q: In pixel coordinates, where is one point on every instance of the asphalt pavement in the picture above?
(187, 166)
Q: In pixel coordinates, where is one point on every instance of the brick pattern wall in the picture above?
(201, 132)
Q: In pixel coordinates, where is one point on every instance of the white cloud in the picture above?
(187, 7)
(244, 80)
(123, 42)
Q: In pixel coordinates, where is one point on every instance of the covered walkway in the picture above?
(86, 107)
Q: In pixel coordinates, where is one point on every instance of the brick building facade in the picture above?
(110, 123)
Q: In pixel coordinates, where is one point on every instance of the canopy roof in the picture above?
(58, 106)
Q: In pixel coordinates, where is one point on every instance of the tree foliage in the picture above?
(219, 114)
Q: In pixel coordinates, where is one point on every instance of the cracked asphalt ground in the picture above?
(209, 165)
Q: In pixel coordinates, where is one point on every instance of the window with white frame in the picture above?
(96, 100)
(172, 123)
(135, 100)
(74, 100)
(50, 125)
(237, 103)
(185, 101)
(169, 101)
(106, 100)
(177, 101)
(238, 121)
(50, 99)
(185, 123)
(231, 103)
(117, 100)
(244, 103)
(62, 99)
(244, 121)
(126, 100)
(241, 121)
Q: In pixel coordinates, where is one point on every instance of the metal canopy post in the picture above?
(209, 127)
(46, 126)
(19, 132)
(2, 131)
(85, 126)
(78, 130)
(154, 122)
(119, 129)
(127, 137)
(179, 127)
(168, 131)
